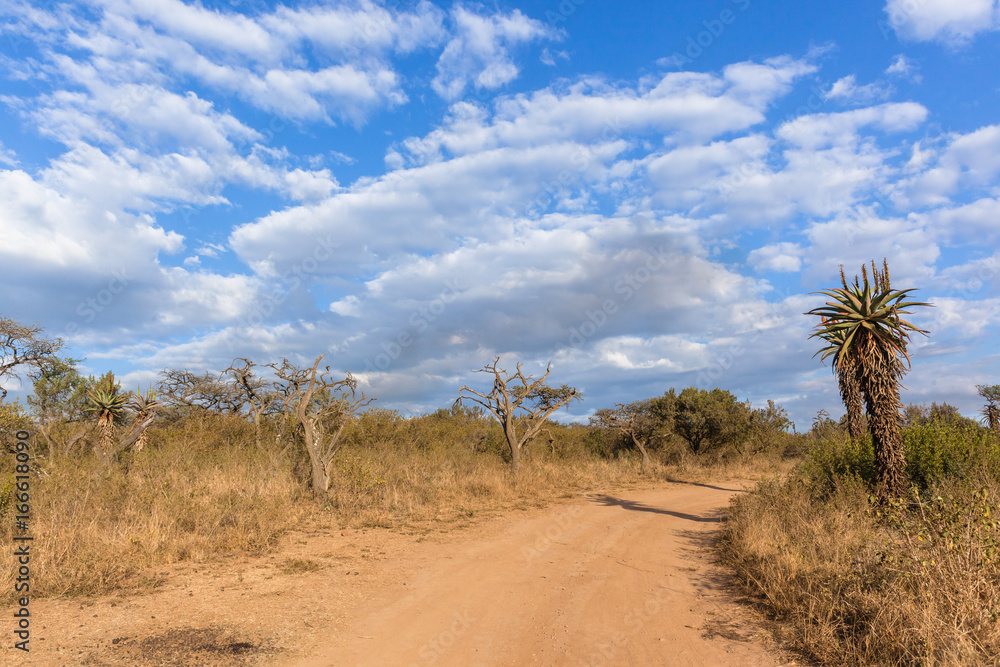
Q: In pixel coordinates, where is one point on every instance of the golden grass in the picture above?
(917, 583)
(202, 489)
(97, 530)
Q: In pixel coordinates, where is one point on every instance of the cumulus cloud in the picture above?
(7, 157)
(479, 52)
(904, 67)
(969, 160)
(847, 90)
(259, 58)
(784, 257)
(685, 106)
(651, 232)
(946, 21)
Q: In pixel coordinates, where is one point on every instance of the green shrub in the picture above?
(934, 452)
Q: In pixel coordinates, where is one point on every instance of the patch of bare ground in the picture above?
(626, 576)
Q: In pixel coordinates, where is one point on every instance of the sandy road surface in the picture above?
(620, 578)
(623, 579)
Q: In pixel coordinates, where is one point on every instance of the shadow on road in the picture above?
(632, 506)
(707, 486)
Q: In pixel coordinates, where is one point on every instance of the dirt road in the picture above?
(608, 580)
(623, 578)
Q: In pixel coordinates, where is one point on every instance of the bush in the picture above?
(934, 452)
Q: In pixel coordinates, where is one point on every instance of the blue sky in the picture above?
(644, 193)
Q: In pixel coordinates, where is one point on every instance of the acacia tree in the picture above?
(520, 403)
(324, 406)
(259, 395)
(875, 337)
(709, 418)
(635, 421)
(187, 391)
(59, 398)
(21, 345)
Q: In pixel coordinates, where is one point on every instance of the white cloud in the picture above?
(848, 91)
(975, 222)
(965, 318)
(7, 157)
(685, 106)
(228, 32)
(904, 67)
(479, 53)
(968, 161)
(60, 231)
(910, 245)
(262, 58)
(424, 208)
(549, 58)
(953, 22)
(782, 257)
(688, 175)
(838, 128)
(211, 249)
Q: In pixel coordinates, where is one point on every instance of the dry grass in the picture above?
(202, 489)
(98, 530)
(912, 584)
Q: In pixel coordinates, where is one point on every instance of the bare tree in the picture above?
(635, 421)
(21, 345)
(520, 403)
(324, 406)
(186, 390)
(259, 395)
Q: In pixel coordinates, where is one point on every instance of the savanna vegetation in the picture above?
(883, 546)
(876, 539)
(206, 464)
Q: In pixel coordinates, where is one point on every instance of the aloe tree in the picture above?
(145, 406)
(846, 370)
(862, 326)
(991, 411)
(108, 403)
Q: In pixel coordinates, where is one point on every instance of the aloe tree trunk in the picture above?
(106, 427)
(850, 392)
(879, 374)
